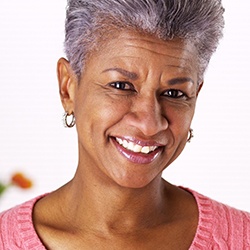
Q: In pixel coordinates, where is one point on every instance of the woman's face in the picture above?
(134, 106)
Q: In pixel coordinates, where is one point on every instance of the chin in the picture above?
(136, 183)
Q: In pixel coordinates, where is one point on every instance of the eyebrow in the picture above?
(127, 74)
(180, 80)
(134, 76)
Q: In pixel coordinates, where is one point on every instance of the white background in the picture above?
(33, 140)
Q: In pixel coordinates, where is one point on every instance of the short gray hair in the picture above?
(198, 21)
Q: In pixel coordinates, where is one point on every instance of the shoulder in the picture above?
(231, 225)
(220, 225)
(16, 227)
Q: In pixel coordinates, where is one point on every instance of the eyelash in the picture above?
(122, 86)
(126, 86)
(176, 94)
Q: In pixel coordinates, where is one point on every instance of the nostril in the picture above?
(145, 114)
(149, 124)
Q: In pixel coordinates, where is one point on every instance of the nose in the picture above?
(147, 116)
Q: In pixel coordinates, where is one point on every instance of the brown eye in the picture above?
(122, 85)
(174, 93)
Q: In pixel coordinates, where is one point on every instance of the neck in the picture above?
(101, 207)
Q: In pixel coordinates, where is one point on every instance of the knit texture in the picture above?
(220, 227)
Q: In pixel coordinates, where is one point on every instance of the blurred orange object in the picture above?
(21, 181)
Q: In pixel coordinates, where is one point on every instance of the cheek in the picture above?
(175, 114)
(108, 110)
(99, 112)
(180, 122)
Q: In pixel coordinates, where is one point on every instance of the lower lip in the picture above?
(138, 158)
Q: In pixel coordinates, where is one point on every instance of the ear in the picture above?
(199, 88)
(67, 81)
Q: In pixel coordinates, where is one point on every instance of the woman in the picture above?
(130, 85)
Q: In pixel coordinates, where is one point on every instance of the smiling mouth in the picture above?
(136, 148)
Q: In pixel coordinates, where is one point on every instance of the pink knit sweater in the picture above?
(220, 227)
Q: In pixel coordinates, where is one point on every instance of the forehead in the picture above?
(146, 41)
(144, 50)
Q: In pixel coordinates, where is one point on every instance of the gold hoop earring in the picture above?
(66, 122)
(191, 135)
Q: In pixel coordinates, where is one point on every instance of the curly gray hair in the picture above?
(198, 21)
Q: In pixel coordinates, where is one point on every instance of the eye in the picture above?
(174, 93)
(122, 85)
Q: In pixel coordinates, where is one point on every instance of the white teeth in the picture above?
(119, 141)
(135, 147)
(145, 150)
(130, 146)
(125, 144)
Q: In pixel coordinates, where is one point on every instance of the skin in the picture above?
(142, 89)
